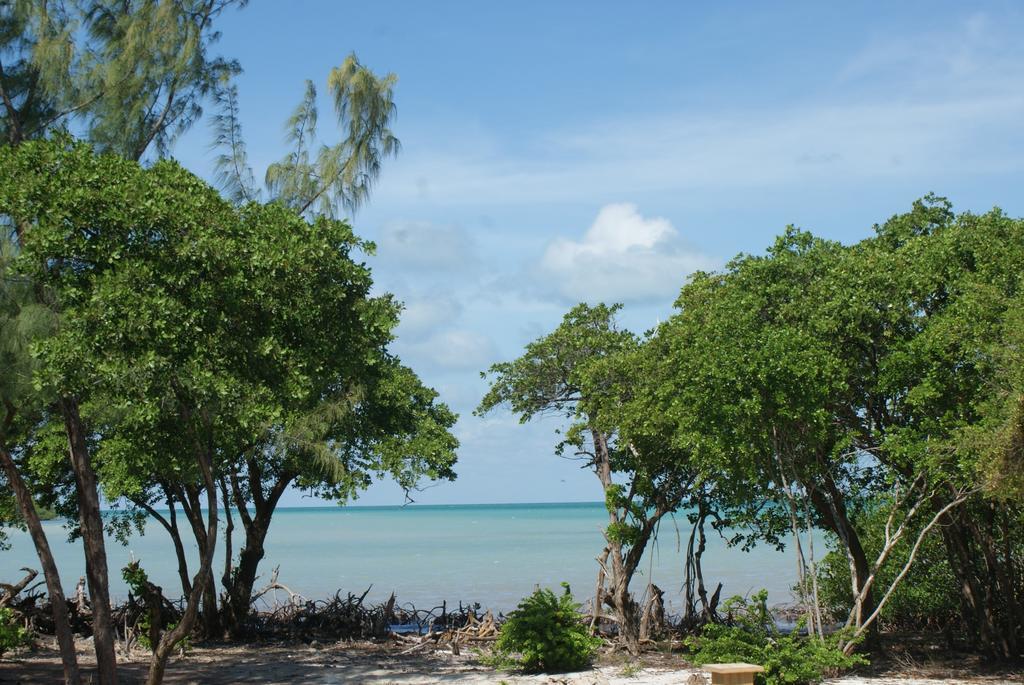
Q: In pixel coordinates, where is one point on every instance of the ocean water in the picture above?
(426, 554)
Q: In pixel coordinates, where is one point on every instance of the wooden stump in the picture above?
(733, 674)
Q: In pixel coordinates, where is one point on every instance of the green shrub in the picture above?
(11, 633)
(545, 633)
(751, 637)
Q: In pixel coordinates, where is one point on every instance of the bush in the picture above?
(11, 633)
(545, 633)
(751, 636)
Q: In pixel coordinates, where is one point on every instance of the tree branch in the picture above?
(12, 111)
(848, 648)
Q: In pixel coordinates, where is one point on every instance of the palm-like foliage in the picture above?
(231, 166)
(132, 73)
(26, 109)
(326, 179)
(293, 178)
(152, 64)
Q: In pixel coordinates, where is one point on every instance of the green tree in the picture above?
(918, 315)
(190, 328)
(835, 375)
(586, 371)
(305, 450)
(961, 395)
(132, 78)
(314, 180)
(78, 249)
(750, 380)
(131, 75)
(386, 424)
(22, 321)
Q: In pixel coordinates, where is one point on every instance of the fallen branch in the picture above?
(294, 598)
(11, 591)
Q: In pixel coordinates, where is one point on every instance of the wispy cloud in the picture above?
(423, 314)
(904, 107)
(453, 349)
(975, 55)
(424, 246)
(770, 149)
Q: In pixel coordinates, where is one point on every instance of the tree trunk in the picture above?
(833, 512)
(626, 610)
(170, 524)
(212, 626)
(91, 521)
(1003, 592)
(618, 597)
(179, 550)
(256, 525)
(161, 651)
(188, 496)
(1012, 578)
(65, 638)
(239, 602)
(990, 605)
(229, 529)
(698, 567)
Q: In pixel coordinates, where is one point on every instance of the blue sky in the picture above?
(590, 151)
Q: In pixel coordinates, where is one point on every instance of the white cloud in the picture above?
(422, 245)
(623, 256)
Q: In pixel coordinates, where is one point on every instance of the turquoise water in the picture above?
(491, 554)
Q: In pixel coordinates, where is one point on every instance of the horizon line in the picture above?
(395, 506)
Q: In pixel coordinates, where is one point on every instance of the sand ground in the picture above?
(348, 664)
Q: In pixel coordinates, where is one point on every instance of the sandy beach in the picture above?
(351, 664)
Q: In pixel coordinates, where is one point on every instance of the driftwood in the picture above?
(294, 598)
(652, 618)
(10, 591)
(80, 601)
(475, 631)
(346, 616)
(32, 607)
(350, 617)
(598, 601)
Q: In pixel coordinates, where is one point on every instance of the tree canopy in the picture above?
(819, 386)
(200, 338)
